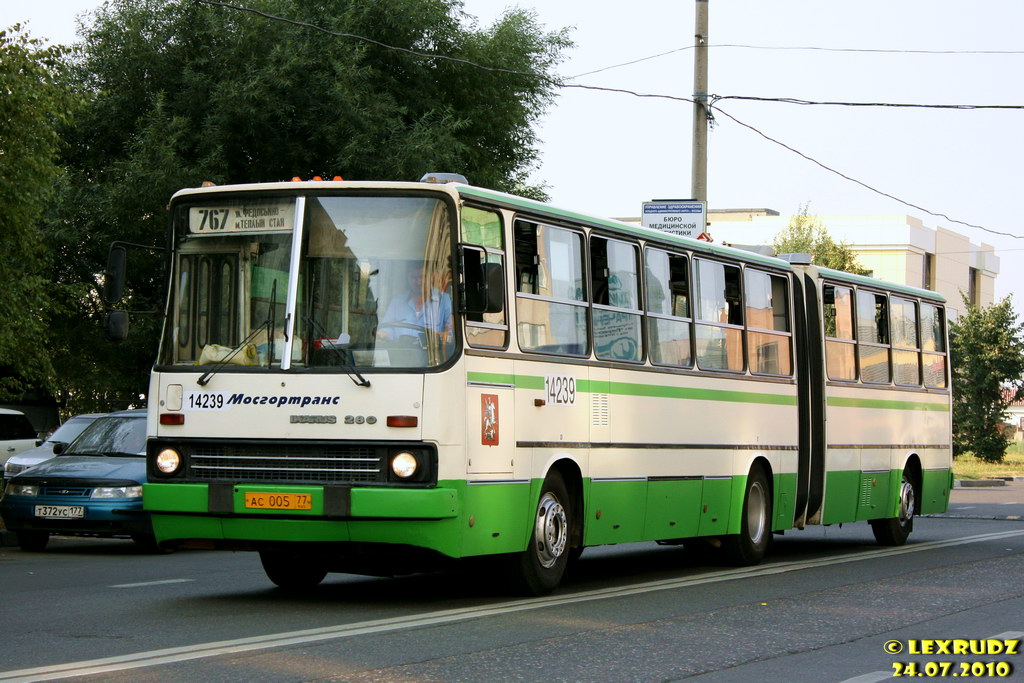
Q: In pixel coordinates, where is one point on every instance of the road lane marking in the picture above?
(238, 645)
(150, 583)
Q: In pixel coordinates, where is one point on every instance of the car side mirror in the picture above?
(58, 447)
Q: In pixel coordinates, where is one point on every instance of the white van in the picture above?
(16, 434)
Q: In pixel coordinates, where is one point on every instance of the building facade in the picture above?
(894, 247)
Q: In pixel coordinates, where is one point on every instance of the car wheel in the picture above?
(33, 541)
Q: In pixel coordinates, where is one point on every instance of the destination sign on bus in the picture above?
(679, 217)
(277, 216)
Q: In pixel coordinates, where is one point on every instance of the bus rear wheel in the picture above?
(292, 571)
(751, 544)
(542, 565)
(896, 530)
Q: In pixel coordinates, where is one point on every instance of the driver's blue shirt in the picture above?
(434, 315)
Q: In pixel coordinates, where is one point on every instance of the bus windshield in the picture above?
(373, 286)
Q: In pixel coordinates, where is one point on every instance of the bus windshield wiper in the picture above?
(349, 368)
(265, 326)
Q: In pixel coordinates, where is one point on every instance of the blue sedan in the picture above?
(93, 488)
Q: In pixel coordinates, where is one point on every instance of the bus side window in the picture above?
(551, 303)
(873, 337)
(669, 325)
(482, 275)
(768, 331)
(906, 359)
(616, 315)
(840, 346)
(719, 331)
(933, 346)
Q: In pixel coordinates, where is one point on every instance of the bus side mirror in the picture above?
(117, 325)
(484, 284)
(113, 289)
(494, 294)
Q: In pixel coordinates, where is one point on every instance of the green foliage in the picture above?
(182, 92)
(805, 234)
(32, 103)
(987, 357)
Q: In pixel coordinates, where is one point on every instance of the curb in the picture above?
(978, 483)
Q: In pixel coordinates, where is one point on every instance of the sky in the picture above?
(606, 153)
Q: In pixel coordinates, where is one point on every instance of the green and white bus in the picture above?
(371, 376)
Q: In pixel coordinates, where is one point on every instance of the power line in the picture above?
(561, 84)
(793, 100)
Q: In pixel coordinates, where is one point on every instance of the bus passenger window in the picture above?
(906, 361)
(933, 346)
(668, 308)
(719, 332)
(873, 337)
(551, 304)
(840, 346)
(768, 332)
(616, 316)
(484, 229)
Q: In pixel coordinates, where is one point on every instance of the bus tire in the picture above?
(32, 541)
(542, 565)
(750, 545)
(292, 571)
(896, 530)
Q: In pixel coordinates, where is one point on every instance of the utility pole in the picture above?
(699, 174)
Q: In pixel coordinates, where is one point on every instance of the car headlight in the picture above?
(404, 464)
(117, 492)
(14, 489)
(167, 461)
(11, 468)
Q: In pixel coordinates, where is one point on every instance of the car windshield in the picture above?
(373, 283)
(112, 435)
(67, 432)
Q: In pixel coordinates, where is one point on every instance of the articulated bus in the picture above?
(370, 377)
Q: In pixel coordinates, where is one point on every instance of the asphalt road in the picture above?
(820, 609)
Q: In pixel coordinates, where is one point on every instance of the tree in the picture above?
(182, 92)
(33, 102)
(806, 234)
(987, 356)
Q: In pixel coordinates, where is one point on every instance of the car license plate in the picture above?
(279, 501)
(60, 511)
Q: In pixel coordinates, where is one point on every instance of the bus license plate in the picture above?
(60, 511)
(279, 501)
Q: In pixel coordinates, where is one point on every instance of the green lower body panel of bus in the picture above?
(856, 496)
(454, 519)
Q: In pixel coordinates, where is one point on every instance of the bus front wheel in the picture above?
(542, 565)
(896, 530)
(750, 545)
(292, 571)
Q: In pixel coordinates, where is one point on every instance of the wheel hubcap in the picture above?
(551, 532)
(757, 518)
(906, 501)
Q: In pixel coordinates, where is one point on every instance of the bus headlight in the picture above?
(168, 461)
(404, 465)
